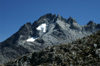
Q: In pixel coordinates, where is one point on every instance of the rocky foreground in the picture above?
(82, 52)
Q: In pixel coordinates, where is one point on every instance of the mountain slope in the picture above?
(83, 52)
(48, 30)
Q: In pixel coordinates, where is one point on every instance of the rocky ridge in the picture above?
(48, 30)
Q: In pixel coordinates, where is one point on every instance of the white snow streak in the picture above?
(31, 39)
(42, 27)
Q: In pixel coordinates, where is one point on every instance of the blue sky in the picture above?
(15, 13)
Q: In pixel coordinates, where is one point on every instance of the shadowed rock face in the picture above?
(57, 31)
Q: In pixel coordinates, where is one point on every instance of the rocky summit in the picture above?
(48, 30)
(82, 52)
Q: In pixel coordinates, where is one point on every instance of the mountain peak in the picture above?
(49, 15)
(71, 20)
(58, 16)
(28, 23)
(90, 23)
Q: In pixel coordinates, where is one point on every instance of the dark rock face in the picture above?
(48, 30)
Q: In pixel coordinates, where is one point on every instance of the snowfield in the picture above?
(32, 39)
(42, 27)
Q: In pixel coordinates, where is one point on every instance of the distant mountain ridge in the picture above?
(48, 30)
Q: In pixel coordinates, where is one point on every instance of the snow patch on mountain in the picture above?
(32, 39)
(42, 27)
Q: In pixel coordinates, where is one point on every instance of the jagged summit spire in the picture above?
(45, 19)
(71, 20)
(49, 15)
(58, 16)
(28, 23)
(90, 22)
